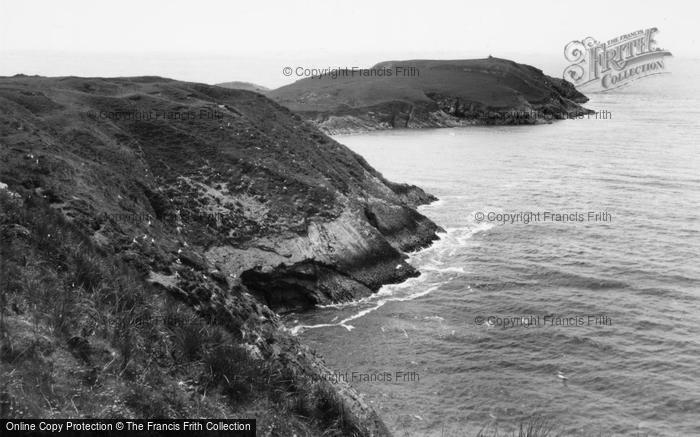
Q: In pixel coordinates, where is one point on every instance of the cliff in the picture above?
(431, 93)
(151, 229)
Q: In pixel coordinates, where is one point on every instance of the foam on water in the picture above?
(375, 306)
(636, 376)
(431, 259)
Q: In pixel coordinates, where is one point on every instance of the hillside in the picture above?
(431, 93)
(237, 85)
(150, 231)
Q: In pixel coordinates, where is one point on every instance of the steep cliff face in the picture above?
(222, 199)
(431, 93)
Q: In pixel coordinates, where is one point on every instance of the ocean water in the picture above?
(620, 290)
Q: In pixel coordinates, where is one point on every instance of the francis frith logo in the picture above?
(603, 66)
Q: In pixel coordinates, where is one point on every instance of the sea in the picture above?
(565, 287)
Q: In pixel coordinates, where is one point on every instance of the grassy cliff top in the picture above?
(491, 82)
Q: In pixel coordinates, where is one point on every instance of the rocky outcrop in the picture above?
(220, 198)
(339, 260)
(426, 93)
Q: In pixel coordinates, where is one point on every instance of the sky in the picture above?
(213, 41)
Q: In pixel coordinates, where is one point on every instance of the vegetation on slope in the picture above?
(84, 335)
(432, 93)
(114, 192)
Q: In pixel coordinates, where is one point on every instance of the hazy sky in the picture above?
(212, 41)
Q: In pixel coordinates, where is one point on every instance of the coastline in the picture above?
(357, 219)
(442, 93)
(264, 218)
(340, 126)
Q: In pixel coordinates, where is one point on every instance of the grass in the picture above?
(83, 335)
(79, 319)
(486, 83)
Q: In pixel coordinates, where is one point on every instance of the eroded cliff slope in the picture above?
(220, 200)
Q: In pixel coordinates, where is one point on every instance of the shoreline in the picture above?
(369, 127)
(378, 295)
(230, 221)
